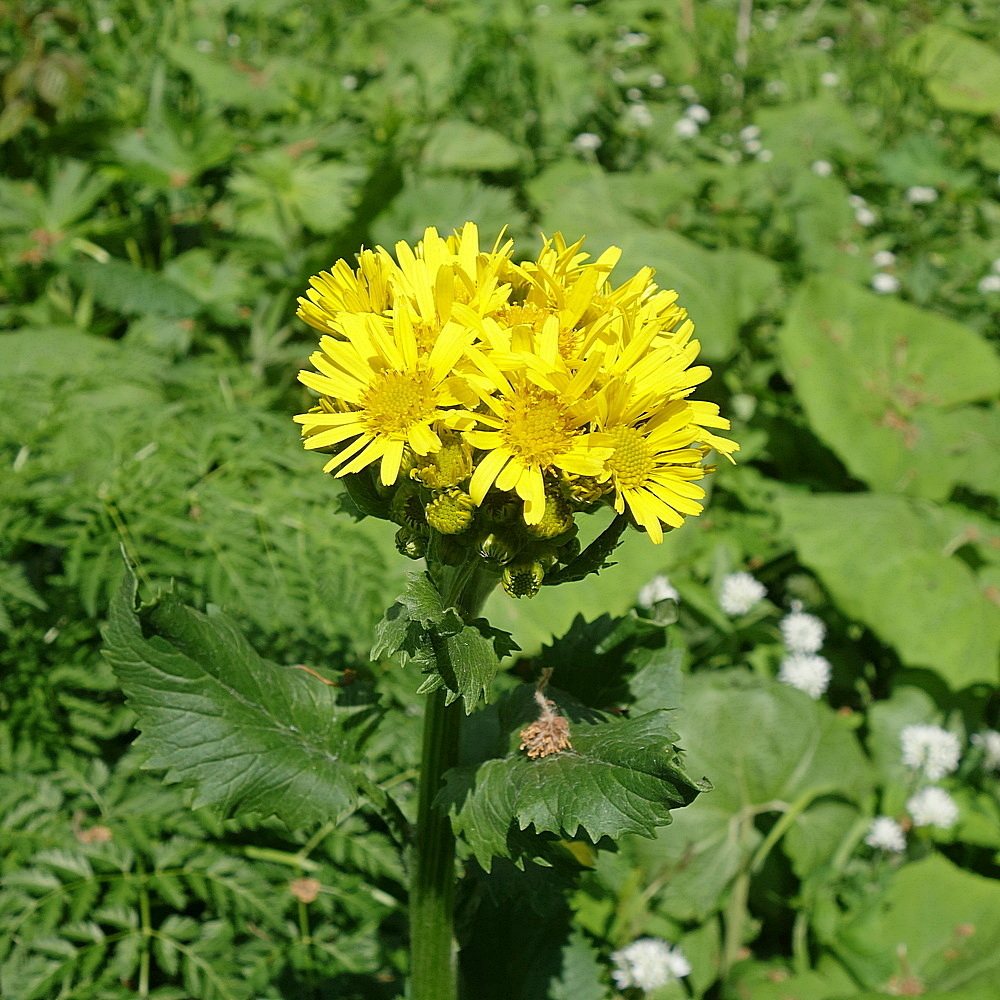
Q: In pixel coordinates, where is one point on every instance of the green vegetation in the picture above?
(817, 180)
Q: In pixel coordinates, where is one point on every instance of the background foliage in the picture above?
(171, 176)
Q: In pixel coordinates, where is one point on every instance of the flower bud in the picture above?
(450, 513)
(497, 549)
(407, 508)
(586, 489)
(410, 543)
(523, 579)
(558, 515)
(445, 468)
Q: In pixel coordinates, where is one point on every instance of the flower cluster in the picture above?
(647, 964)
(497, 399)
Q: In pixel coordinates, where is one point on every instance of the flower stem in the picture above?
(433, 965)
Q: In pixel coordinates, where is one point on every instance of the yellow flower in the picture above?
(340, 289)
(378, 393)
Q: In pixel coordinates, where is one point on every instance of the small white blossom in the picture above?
(698, 113)
(587, 142)
(106, 25)
(821, 168)
(883, 258)
(856, 201)
(829, 79)
(232, 40)
(618, 74)
(864, 216)
(640, 114)
(633, 94)
(769, 21)
(739, 593)
(920, 194)
(687, 93)
(885, 834)
(989, 742)
(825, 43)
(658, 589)
(204, 46)
(989, 283)
(543, 10)
(753, 145)
(885, 284)
(932, 807)
(648, 964)
(807, 672)
(749, 132)
(579, 9)
(657, 80)
(686, 128)
(633, 40)
(930, 749)
(774, 87)
(349, 82)
(765, 156)
(802, 632)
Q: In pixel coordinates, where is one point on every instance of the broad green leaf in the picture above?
(459, 145)
(128, 289)
(231, 84)
(962, 73)
(175, 153)
(888, 387)
(248, 735)
(937, 926)
(462, 656)
(766, 748)
(619, 777)
(890, 562)
(822, 128)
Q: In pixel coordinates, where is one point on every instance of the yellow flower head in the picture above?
(547, 385)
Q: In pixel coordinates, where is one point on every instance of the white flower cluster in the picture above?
(885, 834)
(658, 589)
(803, 668)
(931, 750)
(920, 194)
(989, 742)
(990, 283)
(932, 806)
(648, 964)
(739, 593)
(863, 215)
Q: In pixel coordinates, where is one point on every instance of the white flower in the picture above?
(769, 22)
(658, 589)
(864, 216)
(633, 40)
(633, 94)
(657, 80)
(648, 963)
(697, 113)
(932, 807)
(232, 40)
(775, 87)
(749, 132)
(856, 201)
(829, 79)
(639, 114)
(807, 672)
(618, 74)
(930, 749)
(106, 25)
(579, 9)
(686, 128)
(739, 593)
(825, 43)
(587, 142)
(885, 834)
(885, 284)
(802, 632)
(765, 156)
(687, 93)
(989, 283)
(753, 145)
(821, 168)
(989, 742)
(920, 194)
(543, 10)
(204, 46)
(883, 258)
(349, 82)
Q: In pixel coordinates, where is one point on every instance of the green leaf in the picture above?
(767, 748)
(962, 73)
(235, 85)
(898, 410)
(459, 145)
(128, 289)
(462, 656)
(937, 925)
(890, 562)
(619, 777)
(246, 734)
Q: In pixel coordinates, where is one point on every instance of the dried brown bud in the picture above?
(305, 890)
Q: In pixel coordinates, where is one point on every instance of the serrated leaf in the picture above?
(962, 73)
(132, 290)
(246, 734)
(464, 657)
(619, 777)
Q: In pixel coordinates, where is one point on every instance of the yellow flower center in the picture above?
(525, 314)
(395, 401)
(632, 463)
(538, 426)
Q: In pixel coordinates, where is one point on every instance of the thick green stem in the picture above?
(433, 971)
(433, 954)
